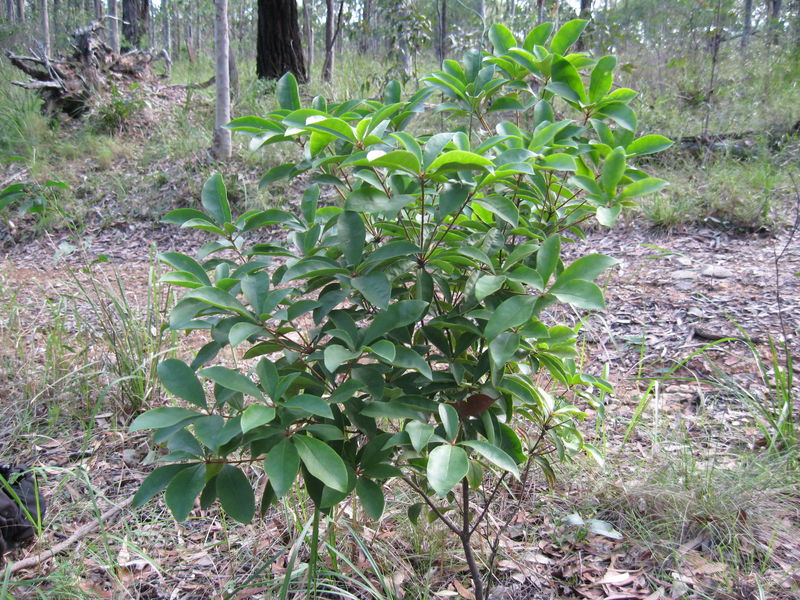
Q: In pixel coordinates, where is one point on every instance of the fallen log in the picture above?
(738, 144)
(70, 84)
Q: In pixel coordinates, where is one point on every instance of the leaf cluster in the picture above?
(402, 332)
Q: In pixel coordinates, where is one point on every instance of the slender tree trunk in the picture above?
(20, 11)
(12, 18)
(585, 13)
(308, 35)
(748, 22)
(442, 33)
(98, 10)
(45, 28)
(774, 12)
(278, 45)
(113, 25)
(222, 137)
(365, 39)
(167, 33)
(330, 24)
(539, 12)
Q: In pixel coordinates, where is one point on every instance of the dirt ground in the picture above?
(671, 294)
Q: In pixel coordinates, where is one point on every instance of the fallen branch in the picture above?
(33, 561)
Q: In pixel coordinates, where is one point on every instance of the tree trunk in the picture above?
(441, 51)
(330, 19)
(774, 13)
(167, 33)
(748, 22)
(135, 20)
(222, 137)
(45, 29)
(278, 46)
(113, 25)
(585, 13)
(10, 11)
(308, 34)
(366, 27)
(539, 12)
(20, 11)
(98, 10)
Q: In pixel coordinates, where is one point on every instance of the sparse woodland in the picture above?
(384, 299)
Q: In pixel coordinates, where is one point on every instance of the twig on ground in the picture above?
(33, 561)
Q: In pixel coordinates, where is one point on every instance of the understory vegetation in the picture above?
(562, 449)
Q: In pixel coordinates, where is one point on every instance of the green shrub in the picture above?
(115, 115)
(402, 335)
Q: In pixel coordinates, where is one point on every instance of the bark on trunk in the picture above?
(278, 45)
(585, 13)
(748, 22)
(135, 20)
(113, 25)
(20, 11)
(539, 12)
(441, 50)
(45, 28)
(222, 137)
(166, 31)
(308, 36)
(10, 11)
(330, 17)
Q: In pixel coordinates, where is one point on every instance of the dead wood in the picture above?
(742, 144)
(37, 559)
(71, 84)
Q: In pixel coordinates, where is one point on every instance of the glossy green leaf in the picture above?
(648, 144)
(184, 489)
(547, 257)
(256, 415)
(642, 187)
(179, 379)
(567, 35)
(287, 92)
(502, 349)
(458, 160)
(156, 482)
(581, 294)
(447, 466)
(322, 462)
(218, 298)
(352, 234)
(512, 312)
(502, 39)
(563, 72)
(375, 287)
(241, 331)
(371, 496)
(486, 285)
(158, 418)
(419, 433)
(602, 78)
(336, 355)
(613, 170)
(281, 465)
(494, 455)
(232, 380)
(450, 421)
(214, 198)
(587, 267)
(236, 494)
(607, 215)
(313, 405)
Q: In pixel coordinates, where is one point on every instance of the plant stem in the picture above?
(312, 560)
(466, 536)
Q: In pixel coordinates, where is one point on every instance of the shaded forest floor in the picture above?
(689, 505)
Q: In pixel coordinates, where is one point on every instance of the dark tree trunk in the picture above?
(539, 12)
(135, 20)
(278, 45)
(774, 9)
(330, 19)
(748, 22)
(308, 37)
(585, 13)
(20, 11)
(10, 11)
